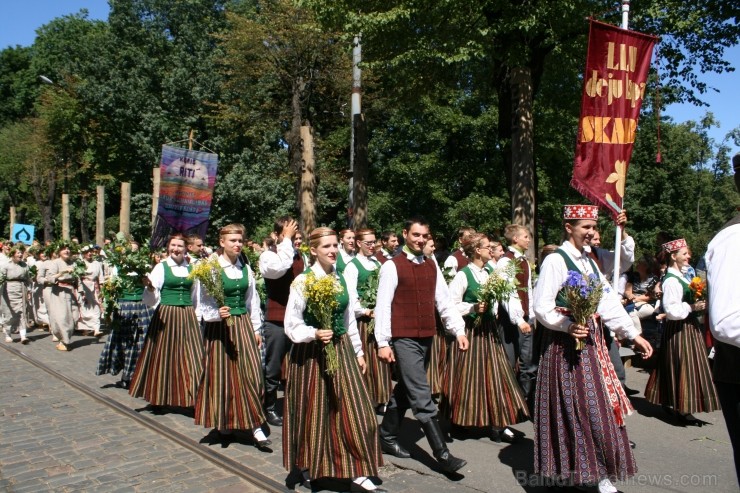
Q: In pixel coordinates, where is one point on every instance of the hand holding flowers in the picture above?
(583, 295)
(321, 301)
(208, 272)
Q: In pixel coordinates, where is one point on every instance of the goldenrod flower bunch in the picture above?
(208, 273)
(321, 301)
(111, 290)
(500, 286)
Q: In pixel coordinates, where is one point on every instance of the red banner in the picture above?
(617, 67)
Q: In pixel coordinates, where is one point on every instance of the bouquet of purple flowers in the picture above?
(583, 293)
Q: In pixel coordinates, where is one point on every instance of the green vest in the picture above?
(175, 290)
(235, 291)
(133, 293)
(341, 264)
(363, 275)
(338, 318)
(471, 293)
(561, 300)
(688, 294)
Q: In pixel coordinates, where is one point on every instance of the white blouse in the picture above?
(351, 275)
(296, 328)
(459, 285)
(208, 307)
(674, 307)
(156, 276)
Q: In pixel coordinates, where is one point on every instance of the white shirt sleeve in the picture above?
(458, 286)
(252, 302)
(387, 284)
(674, 307)
(513, 305)
(351, 323)
(451, 318)
(450, 264)
(275, 265)
(723, 267)
(295, 327)
(156, 276)
(350, 278)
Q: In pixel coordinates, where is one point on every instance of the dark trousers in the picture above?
(277, 345)
(520, 351)
(614, 356)
(412, 390)
(729, 399)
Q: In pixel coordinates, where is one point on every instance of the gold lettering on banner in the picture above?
(627, 57)
(614, 89)
(608, 130)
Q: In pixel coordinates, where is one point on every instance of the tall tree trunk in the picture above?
(295, 152)
(84, 230)
(45, 202)
(360, 173)
(523, 201)
(308, 181)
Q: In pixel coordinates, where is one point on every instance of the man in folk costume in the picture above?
(723, 268)
(278, 268)
(410, 286)
(580, 434)
(518, 337)
(389, 242)
(458, 260)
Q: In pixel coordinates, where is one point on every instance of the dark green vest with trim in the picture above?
(338, 317)
(341, 264)
(235, 292)
(472, 292)
(134, 292)
(561, 300)
(688, 294)
(363, 275)
(175, 290)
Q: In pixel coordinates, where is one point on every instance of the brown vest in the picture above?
(522, 276)
(278, 291)
(462, 260)
(381, 258)
(412, 308)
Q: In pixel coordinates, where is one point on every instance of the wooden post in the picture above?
(156, 176)
(125, 215)
(100, 216)
(190, 139)
(12, 220)
(65, 216)
(308, 181)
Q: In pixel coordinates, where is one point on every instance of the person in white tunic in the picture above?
(63, 306)
(15, 284)
(89, 291)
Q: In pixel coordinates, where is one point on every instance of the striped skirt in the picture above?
(378, 374)
(438, 358)
(682, 379)
(330, 426)
(170, 364)
(128, 330)
(231, 387)
(482, 387)
(579, 410)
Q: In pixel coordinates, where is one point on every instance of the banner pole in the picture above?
(618, 229)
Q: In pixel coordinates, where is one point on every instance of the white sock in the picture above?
(259, 435)
(22, 333)
(606, 486)
(508, 433)
(364, 482)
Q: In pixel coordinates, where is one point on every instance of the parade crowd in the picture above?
(357, 328)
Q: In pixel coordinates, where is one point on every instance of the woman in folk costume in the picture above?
(14, 282)
(439, 360)
(231, 388)
(482, 390)
(130, 321)
(347, 249)
(358, 274)
(330, 429)
(63, 304)
(682, 381)
(169, 367)
(580, 435)
(89, 293)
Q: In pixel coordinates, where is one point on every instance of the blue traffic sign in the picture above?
(23, 233)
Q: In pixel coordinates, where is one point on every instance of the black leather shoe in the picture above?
(446, 461)
(263, 444)
(630, 392)
(274, 418)
(356, 488)
(393, 448)
(633, 445)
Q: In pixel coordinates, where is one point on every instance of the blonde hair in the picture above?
(231, 229)
(513, 230)
(472, 243)
(314, 239)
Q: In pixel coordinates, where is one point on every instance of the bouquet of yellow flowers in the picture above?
(321, 302)
(698, 286)
(583, 293)
(111, 291)
(208, 272)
